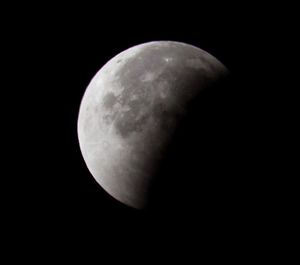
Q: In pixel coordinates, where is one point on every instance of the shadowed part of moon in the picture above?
(133, 105)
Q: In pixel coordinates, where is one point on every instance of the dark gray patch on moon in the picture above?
(109, 100)
(128, 123)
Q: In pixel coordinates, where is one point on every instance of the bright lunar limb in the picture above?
(132, 106)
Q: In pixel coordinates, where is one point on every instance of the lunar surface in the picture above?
(131, 108)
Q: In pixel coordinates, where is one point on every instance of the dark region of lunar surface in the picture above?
(201, 164)
(177, 71)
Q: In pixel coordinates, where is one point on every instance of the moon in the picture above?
(132, 107)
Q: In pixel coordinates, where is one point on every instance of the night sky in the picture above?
(221, 195)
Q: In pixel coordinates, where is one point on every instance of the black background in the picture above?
(221, 195)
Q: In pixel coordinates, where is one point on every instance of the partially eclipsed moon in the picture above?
(132, 106)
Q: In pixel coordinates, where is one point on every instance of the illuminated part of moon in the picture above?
(130, 109)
